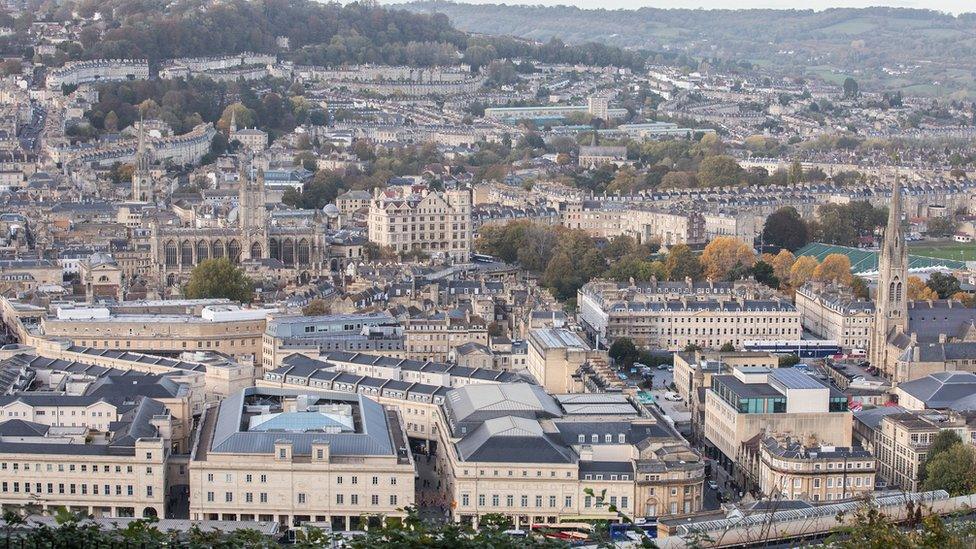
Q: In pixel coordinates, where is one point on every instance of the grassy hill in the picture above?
(883, 48)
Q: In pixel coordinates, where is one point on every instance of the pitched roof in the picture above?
(942, 389)
(501, 438)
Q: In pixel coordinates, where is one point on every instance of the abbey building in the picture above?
(249, 232)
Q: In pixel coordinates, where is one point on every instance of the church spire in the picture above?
(891, 299)
(893, 233)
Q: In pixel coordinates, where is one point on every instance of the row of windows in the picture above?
(71, 467)
(72, 488)
(59, 413)
(200, 344)
(510, 501)
(525, 473)
(731, 317)
(301, 498)
(607, 438)
(588, 501)
(354, 480)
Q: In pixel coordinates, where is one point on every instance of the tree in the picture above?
(625, 181)
(415, 532)
(620, 246)
(682, 263)
(725, 256)
(860, 288)
(216, 278)
(782, 263)
(305, 159)
(727, 347)
(322, 189)
(679, 180)
(785, 228)
(632, 267)
(967, 299)
(863, 216)
(802, 270)
(245, 117)
(788, 361)
(835, 226)
(719, 171)
(952, 470)
(763, 273)
(943, 284)
(562, 275)
(374, 252)
(796, 172)
(850, 88)
(316, 307)
(496, 329)
(623, 352)
(836, 269)
(944, 440)
(941, 227)
(917, 290)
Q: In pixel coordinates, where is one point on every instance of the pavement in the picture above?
(431, 496)
(676, 410)
(725, 483)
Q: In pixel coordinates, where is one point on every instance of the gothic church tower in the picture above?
(142, 182)
(251, 211)
(891, 301)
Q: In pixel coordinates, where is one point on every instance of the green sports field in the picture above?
(945, 249)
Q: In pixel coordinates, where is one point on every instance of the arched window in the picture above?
(898, 292)
(218, 249)
(256, 250)
(234, 251)
(288, 252)
(170, 254)
(274, 249)
(203, 250)
(186, 253)
(304, 252)
(891, 292)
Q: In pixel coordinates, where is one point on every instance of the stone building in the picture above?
(788, 469)
(252, 233)
(832, 312)
(751, 403)
(437, 223)
(295, 457)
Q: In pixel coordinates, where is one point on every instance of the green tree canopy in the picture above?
(322, 189)
(719, 171)
(215, 278)
(943, 441)
(785, 228)
(941, 226)
(763, 273)
(624, 352)
(682, 263)
(943, 284)
(851, 90)
(952, 470)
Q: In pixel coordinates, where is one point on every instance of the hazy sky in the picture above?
(952, 6)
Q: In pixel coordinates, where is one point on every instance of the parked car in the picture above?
(674, 397)
(713, 485)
